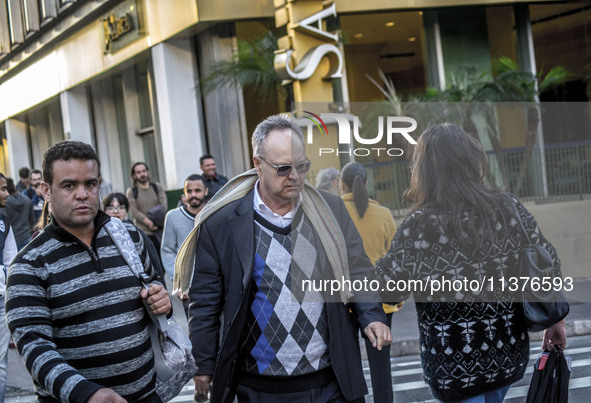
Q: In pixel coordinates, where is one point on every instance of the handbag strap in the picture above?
(118, 233)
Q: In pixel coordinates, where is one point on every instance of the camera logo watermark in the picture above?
(348, 127)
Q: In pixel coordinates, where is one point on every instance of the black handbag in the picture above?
(541, 308)
(549, 381)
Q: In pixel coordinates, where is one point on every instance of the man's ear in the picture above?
(45, 190)
(206, 190)
(257, 164)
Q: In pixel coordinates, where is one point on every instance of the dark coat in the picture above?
(221, 286)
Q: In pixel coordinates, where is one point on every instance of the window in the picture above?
(4, 31)
(31, 14)
(47, 9)
(15, 22)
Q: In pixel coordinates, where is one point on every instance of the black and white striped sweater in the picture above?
(77, 318)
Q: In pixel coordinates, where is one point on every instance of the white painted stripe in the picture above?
(574, 364)
(409, 386)
(521, 391)
(514, 391)
(406, 364)
(407, 372)
(568, 351)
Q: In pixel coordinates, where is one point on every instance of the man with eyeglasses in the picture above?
(253, 246)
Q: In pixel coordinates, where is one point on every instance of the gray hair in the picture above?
(275, 122)
(326, 177)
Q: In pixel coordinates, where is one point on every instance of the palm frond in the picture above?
(252, 65)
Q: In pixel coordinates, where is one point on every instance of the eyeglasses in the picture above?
(115, 209)
(284, 170)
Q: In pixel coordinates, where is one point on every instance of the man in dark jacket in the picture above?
(19, 210)
(257, 246)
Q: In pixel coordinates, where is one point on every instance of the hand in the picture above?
(157, 298)
(105, 395)
(181, 295)
(379, 334)
(555, 336)
(148, 223)
(202, 384)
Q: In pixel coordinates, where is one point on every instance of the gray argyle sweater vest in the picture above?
(286, 331)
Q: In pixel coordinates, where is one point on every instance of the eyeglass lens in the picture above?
(302, 167)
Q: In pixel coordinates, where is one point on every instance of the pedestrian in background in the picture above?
(34, 192)
(213, 180)
(377, 228)
(145, 198)
(178, 224)
(328, 179)
(24, 180)
(117, 205)
(19, 210)
(459, 228)
(8, 251)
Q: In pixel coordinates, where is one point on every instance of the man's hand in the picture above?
(148, 223)
(181, 295)
(105, 395)
(555, 336)
(379, 334)
(157, 298)
(202, 384)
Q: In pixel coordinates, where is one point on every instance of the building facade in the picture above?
(125, 75)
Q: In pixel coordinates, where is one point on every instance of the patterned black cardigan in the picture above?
(471, 342)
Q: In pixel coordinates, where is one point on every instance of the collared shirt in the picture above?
(268, 214)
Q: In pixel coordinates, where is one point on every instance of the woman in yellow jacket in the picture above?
(377, 229)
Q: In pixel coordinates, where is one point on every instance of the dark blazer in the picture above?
(221, 284)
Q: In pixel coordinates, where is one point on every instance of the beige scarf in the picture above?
(315, 208)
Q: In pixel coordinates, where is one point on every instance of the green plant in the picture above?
(471, 94)
(252, 66)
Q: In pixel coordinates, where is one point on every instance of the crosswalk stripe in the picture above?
(521, 391)
(569, 351)
(514, 391)
(406, 364)
(407, 372)
(399, 387)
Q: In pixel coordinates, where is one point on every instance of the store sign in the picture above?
(312, 25)
(114, 28)
(120, 27)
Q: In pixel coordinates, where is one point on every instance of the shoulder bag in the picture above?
(542, 308)
(173, 360)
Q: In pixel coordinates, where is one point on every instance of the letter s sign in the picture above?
(309, 63)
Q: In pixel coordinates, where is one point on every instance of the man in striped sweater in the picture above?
(75, 309)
